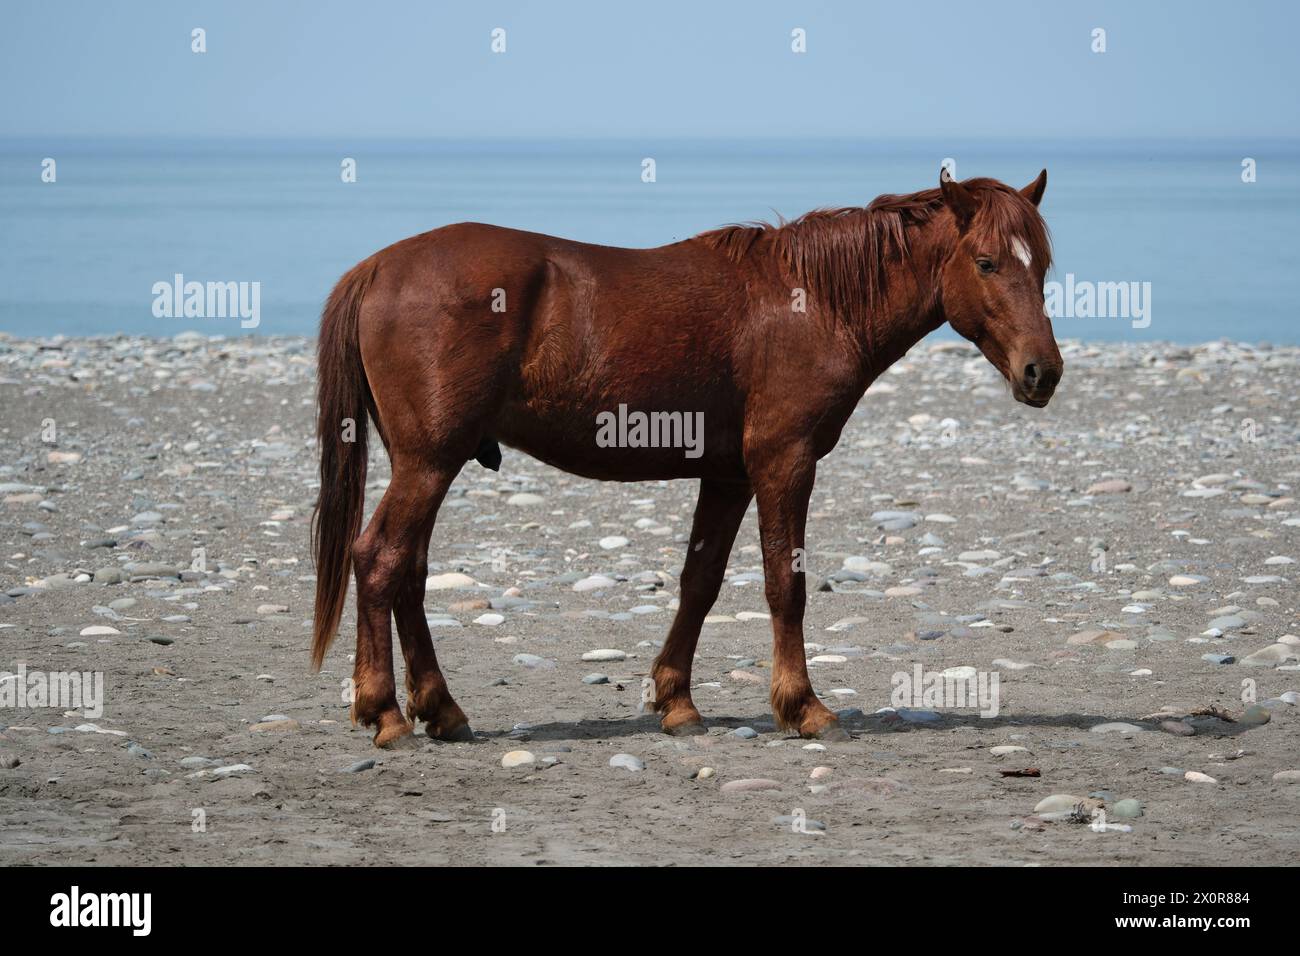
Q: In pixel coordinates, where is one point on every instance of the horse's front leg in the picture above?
(718, 513)
(783, 483)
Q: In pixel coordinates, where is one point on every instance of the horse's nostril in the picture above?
(1031, 375)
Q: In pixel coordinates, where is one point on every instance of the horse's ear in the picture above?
(957, 198)
(1034, 191)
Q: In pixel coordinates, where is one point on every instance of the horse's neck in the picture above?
(913, 307)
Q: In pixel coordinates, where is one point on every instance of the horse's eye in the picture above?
(986, 266)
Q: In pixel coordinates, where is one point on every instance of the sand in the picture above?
(1089, 556)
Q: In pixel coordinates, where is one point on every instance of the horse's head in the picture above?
(993, 281)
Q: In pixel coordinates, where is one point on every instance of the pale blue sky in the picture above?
(873, 70)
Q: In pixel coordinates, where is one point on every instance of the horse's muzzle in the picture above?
(1035, 383)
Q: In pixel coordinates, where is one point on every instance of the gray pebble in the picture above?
(627, 762)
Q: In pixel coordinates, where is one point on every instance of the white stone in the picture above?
(524, 499)
(1116, 727)
(594, 583)
(453, 579)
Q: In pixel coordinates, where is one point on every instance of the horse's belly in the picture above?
(625, 444)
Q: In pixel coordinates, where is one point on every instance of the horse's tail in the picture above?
(343, 401)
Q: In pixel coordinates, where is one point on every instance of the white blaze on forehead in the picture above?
(1021, 250)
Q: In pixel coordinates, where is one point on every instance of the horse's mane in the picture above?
(842, 255)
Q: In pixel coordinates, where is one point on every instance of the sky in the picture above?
(579, 69)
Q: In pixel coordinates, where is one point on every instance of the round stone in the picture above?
(1060, 803)
(1127, 809)
(627, 762)
(517, 758)
(593, 583)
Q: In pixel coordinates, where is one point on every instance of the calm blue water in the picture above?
(80, 256)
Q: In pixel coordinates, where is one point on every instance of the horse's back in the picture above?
(491, 287)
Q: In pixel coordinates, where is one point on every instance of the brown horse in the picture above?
(470, 335)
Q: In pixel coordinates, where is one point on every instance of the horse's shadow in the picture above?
(868, 726)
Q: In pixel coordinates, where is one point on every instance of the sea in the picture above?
(1176, 241)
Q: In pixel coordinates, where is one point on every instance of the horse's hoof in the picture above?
(396, 737)
(691, 729)
(457, 735)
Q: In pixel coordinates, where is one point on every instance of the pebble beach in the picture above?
(1117, 569)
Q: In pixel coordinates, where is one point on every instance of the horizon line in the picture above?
(631, 137)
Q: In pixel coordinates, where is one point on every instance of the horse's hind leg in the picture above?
(427, 696)
(383, 557)
(718, 513)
